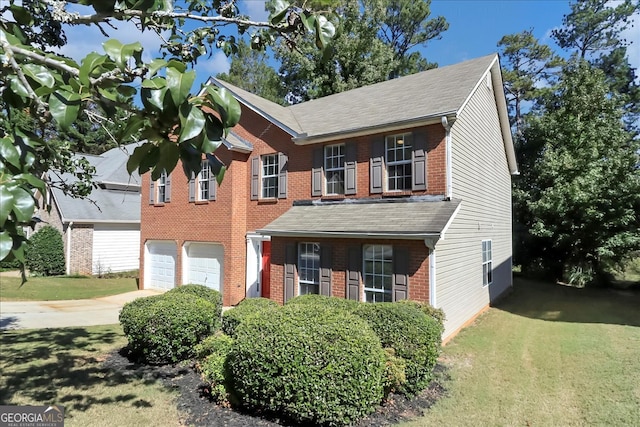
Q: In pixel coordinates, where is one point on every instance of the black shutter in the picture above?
(167, 189)
(282, 175)
(316, 172)
(325, 270)
(213, 186)
(151, 191)
(354, 265)
(255, 178)
(419, 162)
(350, 161)
(400, 273)
(192, 189)
(289, 272)
(376, 165)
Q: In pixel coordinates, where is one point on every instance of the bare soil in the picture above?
(199, 410)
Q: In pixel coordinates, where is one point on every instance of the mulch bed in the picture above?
(198, 410)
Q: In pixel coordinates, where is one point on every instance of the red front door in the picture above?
(266, 269)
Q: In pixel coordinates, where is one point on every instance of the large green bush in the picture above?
(211, 295)
(307, 363)
(429, 310)
(44, 253)
(165, 328)
(245, 309)
(333, 302)
(414, 336)
(212, 355)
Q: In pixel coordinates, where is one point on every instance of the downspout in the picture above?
(69, 248)
(449, 173)
(431, 245)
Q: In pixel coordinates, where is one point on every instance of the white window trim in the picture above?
(401, 136)
(328, 170)
(264, 176)
(366, 289)
(315, 265)
(487, 260)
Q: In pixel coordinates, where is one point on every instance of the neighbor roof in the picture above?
(381, 218)
(117, 197)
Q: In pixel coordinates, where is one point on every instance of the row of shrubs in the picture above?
(318, 360)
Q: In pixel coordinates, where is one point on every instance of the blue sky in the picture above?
(475, 27)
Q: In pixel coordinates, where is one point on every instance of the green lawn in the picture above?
(64, 366)
(549, 355)
(62, 288)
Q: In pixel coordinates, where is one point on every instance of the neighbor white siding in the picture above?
(481, 179)
(116, 247)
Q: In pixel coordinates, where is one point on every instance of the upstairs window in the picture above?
(269, 176)
(160, 190)
(203, 186)
(398, 150)
(334, 169)
(203, 181)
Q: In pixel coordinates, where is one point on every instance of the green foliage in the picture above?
(45, 253)
(429, 310)
(177, 121)
(414, 337)
(579, 194)
(307, 363)
(325, 301)
(208, 294)
(395, 372)
(212, 355)
(247, 308)
(166, 328)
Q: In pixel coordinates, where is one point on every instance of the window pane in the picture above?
(334, 168)
(309, 268)
(269, 176)
(378, 272)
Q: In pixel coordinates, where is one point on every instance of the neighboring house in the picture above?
(101, 233)
(396, 190)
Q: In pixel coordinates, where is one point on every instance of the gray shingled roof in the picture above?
(418, 96)
(112, 202)
(403, 219)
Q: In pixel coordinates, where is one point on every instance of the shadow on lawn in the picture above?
(39, 363)
(561, 303)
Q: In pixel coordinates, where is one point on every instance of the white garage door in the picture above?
(160, 267)
(116, 247)
(204, 264)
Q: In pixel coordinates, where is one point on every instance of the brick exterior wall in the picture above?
(418, 288)
(228, 219)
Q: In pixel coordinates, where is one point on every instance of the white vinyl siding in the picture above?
(116, 247)
(481, 179)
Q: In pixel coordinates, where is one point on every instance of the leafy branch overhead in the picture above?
(176, 121)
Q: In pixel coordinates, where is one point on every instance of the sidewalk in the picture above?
(59, 314)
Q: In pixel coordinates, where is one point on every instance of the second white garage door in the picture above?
(203, 264)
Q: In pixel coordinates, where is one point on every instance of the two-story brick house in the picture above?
(396, 190)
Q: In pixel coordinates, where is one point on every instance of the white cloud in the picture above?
(255, 9)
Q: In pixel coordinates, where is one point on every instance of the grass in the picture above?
(63, 366)
(549, 355)
(62, 288)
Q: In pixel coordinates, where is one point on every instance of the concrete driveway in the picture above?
(59, 314)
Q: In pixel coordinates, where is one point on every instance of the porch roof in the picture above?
(381, 219)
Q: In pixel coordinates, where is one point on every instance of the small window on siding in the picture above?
(378, 273)
(487, 263)
(309, 268)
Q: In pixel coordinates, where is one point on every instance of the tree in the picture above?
(356, 57)
(404, 26)
(249, 70)
(579, 195)
(527, 65)
(176, 124)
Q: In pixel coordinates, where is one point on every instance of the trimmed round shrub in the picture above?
(333, 302)
(414, 336)
(212, 355)
(429, 310)
(308, 364)
(246, 308)
(44, 255)
(211, 295)
(165, 328)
